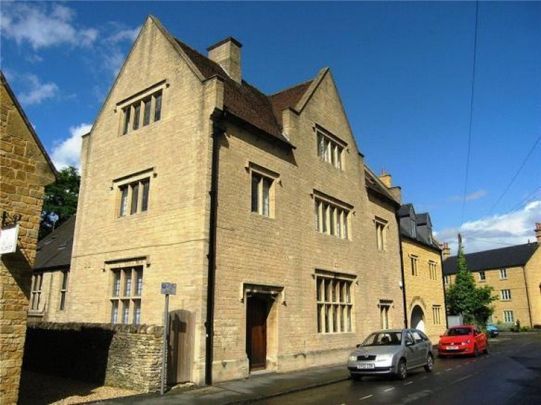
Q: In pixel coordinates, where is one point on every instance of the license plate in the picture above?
(452, 348)
(366, 366)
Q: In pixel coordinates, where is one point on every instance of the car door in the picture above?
(411, 352)
(420, 347)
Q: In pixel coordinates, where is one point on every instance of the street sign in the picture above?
(169, 289)
(8, 239)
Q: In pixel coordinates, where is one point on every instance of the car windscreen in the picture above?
(458, 332)
(383, 339)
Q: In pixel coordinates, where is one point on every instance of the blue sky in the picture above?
(403, 70)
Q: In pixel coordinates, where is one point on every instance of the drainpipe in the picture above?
(217, 131)
(527, 295)
(402, 273)
(444, 292)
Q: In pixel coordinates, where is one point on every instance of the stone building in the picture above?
(423, 278)
(50, 280)
(255, 205)
(515, 274)
(25, 169)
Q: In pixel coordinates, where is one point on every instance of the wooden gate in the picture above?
(181, 343)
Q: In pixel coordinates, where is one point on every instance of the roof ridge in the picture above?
(500, 248)
(291, 87)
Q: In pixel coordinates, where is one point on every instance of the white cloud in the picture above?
(36, 90)
(476, 195)
(43, 25)
(124, 35)
(497, 231)
(68, 152)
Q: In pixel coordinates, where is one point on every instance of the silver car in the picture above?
(391, 352)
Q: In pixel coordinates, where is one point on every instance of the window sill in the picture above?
(328, 334)
(258, 215)
(137, 214)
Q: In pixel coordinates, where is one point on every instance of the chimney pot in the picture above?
(226, 53)
(445, 250)
(386, 179)
(538, 232)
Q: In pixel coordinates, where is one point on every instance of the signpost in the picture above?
(167, 289)
(8, 239)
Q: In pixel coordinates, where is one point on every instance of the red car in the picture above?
(462, 340)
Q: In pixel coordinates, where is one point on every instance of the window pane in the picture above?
(319, 283)
(339, 223)
(146, 189)
(255, 192)
(158, 106)
(114, 312)
(345, 225)
(321, 145)
(334, 318)
(146, 116)
(123, 200)
(325, 212)
(127, 112)
(116, 284)
(139, 281)
(127, 283)
(339, 158)
(332, 213)
(125, 311)
(134, 197)
(136, 115)
(136, 312)
(266, 196)
(316, 214)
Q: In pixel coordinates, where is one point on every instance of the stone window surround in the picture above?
(346, 208)
(36, 293)
(138, 97)
(63, 290)
(123, 181)
(436, 314)
(254, 168)
(508, 316)
(414, 261)
(505, 294)
(482, 277)
(110, 266)
(381, 233)
(335, 142)
(503, 274)
(384, 306)
(337, 276)
(433, 269)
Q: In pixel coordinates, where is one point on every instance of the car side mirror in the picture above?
(409, 343)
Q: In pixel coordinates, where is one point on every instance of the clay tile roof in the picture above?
(245, 101)
(512, 256)
(54, 251)
(288, 98)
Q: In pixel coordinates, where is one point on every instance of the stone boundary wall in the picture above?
(118, 355)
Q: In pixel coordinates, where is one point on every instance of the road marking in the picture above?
(408, 383)
(388, 389)
(448, 369)
(463, 378)
(366, 397)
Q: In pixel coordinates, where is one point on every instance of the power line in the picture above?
(474, 67)
(517, 173)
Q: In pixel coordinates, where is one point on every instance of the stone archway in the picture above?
(417, 318)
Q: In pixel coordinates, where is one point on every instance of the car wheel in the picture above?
(486, 349)
(402, 370)
(429, 363)
(356, 377)
(475, 351)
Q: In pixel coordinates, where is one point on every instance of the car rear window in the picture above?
(458, 332)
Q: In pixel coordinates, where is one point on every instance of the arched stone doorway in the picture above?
(417, 318)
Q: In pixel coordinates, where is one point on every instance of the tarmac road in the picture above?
(509, 374)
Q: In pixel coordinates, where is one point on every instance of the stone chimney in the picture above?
(445, 250)
(538, 232)
(226, 53)
(386, 179)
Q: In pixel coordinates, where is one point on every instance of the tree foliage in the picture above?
(60, 200)
(464, 297)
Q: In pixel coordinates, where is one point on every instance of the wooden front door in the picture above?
(256, 332)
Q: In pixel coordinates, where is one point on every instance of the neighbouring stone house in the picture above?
(50, 280)
(25, 169)
(257, 206)
(423, 277)
(515, 274)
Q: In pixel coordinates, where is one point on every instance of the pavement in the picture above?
(513, 357)
(254, 388)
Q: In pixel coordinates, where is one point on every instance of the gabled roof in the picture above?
(412, 229)
(247, 102)
(406, 210)
(54, 251)
(512, 256)
(27, 123)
